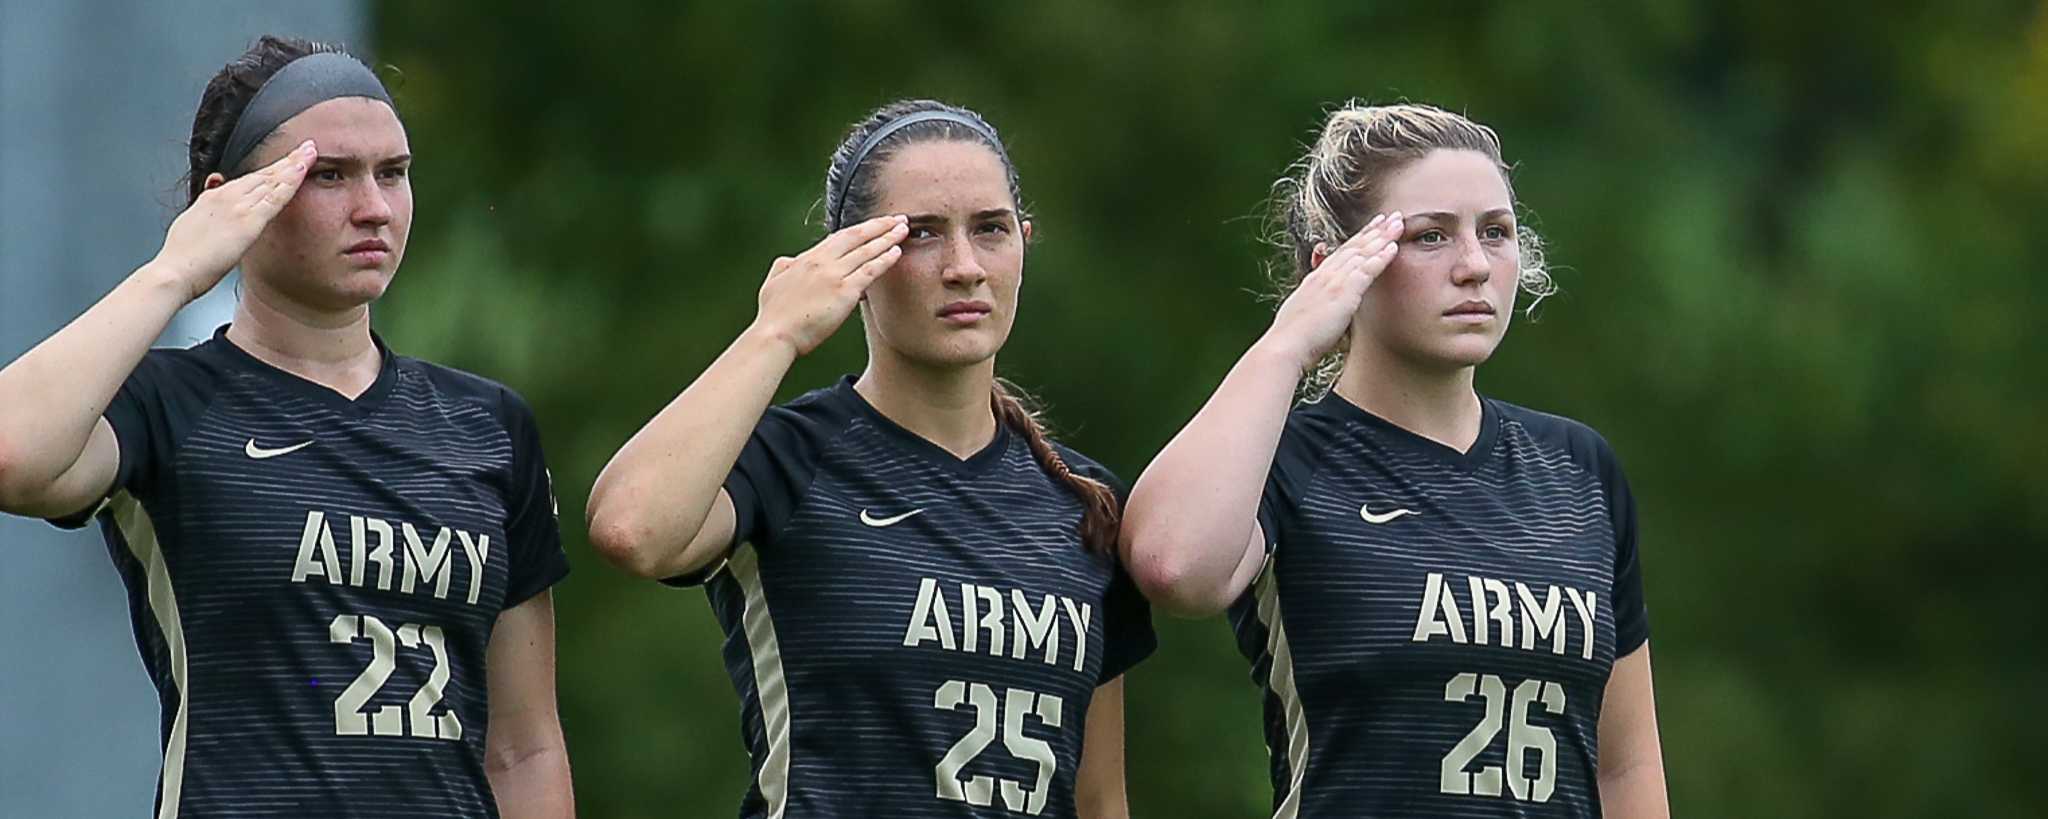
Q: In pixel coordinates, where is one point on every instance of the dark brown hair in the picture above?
(850, 198)
(227, 95)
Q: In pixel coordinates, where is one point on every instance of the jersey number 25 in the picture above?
(980, 789)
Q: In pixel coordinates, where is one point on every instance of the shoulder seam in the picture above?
(834, 440)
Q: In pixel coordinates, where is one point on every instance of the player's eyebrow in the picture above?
(1447, 216)
(358, 161)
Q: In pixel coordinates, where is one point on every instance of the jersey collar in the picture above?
(917, 445)
(1394, 435)
(365, 404)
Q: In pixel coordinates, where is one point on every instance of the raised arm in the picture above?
(57, 453)
(1191, 535)
(658, 509)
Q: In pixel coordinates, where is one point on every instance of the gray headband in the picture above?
(874, 141)
(299, 85)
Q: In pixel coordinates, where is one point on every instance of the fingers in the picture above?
(873, 269)
(1372, 243)
(1368, 267)
(1385, 226)
(289, 169)
(1345, 274)
(847, 238)
(875, 248)
(281, 190)
(263, 185)
(1359, 238)
(294, 163)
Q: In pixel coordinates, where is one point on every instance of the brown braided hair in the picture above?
(1102, 514)
(1102, 517)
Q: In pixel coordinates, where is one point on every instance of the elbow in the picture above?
(12, 495)
(615, 533)
(1171, 578)
(624, 543)
(501, 759)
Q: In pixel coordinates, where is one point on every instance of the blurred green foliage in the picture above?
(1798, 244)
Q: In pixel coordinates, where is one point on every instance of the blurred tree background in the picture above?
(1798, 244)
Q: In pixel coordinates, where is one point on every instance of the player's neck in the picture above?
(332, 350)
(1440, 405)
(947, 406)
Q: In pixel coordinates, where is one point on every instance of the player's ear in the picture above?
(1025, 227)
(214, 180)
(1317, 255)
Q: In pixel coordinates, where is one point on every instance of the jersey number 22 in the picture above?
(388, 721)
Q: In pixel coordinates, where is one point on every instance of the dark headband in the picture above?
(299, 85)
(875, 139)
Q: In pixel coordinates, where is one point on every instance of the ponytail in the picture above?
(1102, 516)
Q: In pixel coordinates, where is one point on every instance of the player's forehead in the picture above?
(1461, 182)
(949, 179)
(356, 127)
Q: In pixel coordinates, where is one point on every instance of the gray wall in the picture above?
(96, 99)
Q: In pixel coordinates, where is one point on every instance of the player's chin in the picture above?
(962, 349)
(354, 288)
(1468, 349)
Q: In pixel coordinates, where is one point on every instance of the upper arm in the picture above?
(760, 494)
(520, 674)
(1099, 790)
(133, 445)
(713, 542)
(79, 489)
(1249, 566)
(1294, 465)
(1631, 757)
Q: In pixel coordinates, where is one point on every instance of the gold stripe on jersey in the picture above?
(769, 683)
(1282, 681)
(139, 532)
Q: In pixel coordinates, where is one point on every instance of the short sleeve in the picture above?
(1127, 635)
(769, 479)
(533, 528)
(1631, 613)
(155, 405)
(1286, 482)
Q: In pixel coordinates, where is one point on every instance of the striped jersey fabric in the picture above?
(912, 634)
(313, 580)
(1434, 629)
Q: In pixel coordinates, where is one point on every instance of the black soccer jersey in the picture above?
(313, 580)
(1434, 629)
(912, 634)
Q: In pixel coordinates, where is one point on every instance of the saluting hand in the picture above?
(209, 238)
(808, 296)
(1314, 317)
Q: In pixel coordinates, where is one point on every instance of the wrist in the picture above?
(770, 340)
(1275, 351)
(164, 279)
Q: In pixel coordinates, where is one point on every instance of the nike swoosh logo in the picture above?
(1365, 511)
(259, 453)
(878, 523)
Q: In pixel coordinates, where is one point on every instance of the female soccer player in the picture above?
(337, 558)
(923, 612)
(1438, 591)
